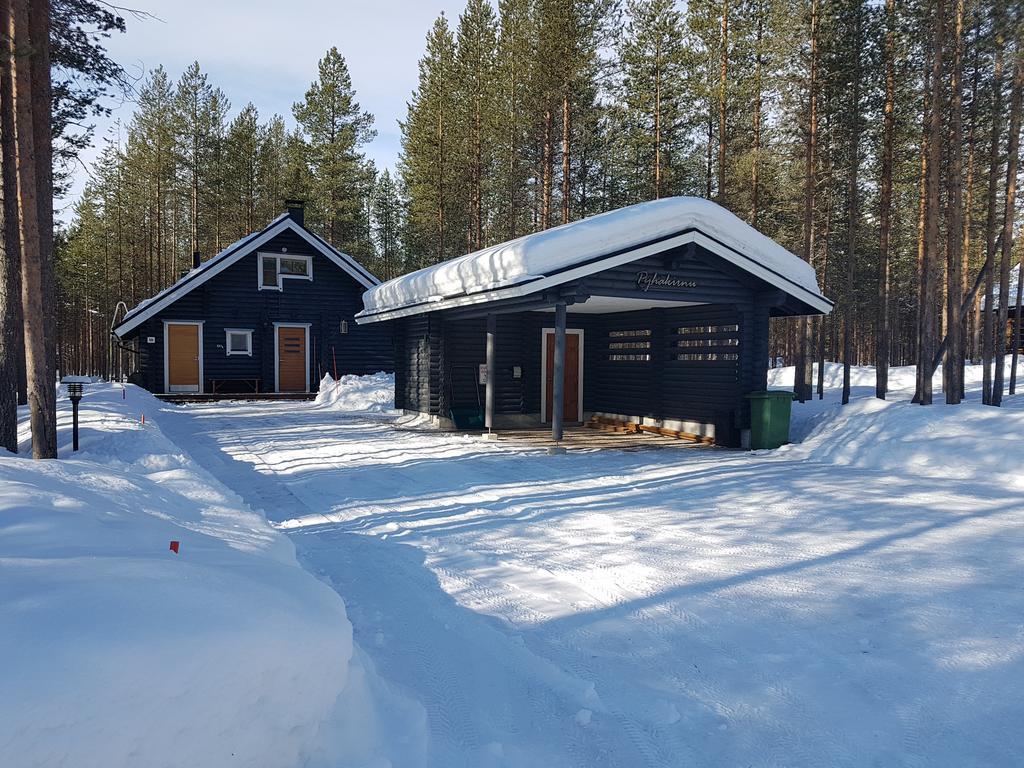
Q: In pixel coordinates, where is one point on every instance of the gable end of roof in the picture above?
(231, 255)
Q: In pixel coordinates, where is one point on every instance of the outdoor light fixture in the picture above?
(75, 393)
(344, 326)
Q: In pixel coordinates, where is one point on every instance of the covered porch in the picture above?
(654, 318)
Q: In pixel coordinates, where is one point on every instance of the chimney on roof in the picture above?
(296, 211)
(195, 259)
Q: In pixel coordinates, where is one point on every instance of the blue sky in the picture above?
(266, 52)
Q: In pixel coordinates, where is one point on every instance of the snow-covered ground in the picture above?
(118, 652)
(851, 600)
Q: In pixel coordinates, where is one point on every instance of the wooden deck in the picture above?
(193, 397)
(583, 439)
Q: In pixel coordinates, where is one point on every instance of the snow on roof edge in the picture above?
(222, 253)
(551, 251)
(227, 256)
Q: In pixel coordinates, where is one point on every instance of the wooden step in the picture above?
(618, 425)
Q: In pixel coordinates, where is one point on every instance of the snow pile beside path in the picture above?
(118, 652)
(963, 442)
(901, 378)
(358, 393)
(969, 441)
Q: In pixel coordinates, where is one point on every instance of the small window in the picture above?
(268, 272)
(274, 269)
(239, 341)
(293, 267)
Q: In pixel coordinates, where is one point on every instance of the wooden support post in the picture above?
(492, 373)
(558, 383)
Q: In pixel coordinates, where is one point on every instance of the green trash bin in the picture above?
(769, 418)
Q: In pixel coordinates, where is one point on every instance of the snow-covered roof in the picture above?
(538, 261)
(228, 256)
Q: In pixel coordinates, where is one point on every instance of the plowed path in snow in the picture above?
(650, 609)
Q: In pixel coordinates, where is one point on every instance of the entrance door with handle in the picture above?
(292, 371)
(184, 367)
(573, 362)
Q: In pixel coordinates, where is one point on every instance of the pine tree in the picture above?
(335, 129)
(476, 101)
(427, 166)
(242, 178)
(513, 72)
(653, 59)
(152, 145)
(387, 226)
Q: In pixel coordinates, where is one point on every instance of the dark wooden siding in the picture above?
(686, 363)
(417, 364)
(232, 300)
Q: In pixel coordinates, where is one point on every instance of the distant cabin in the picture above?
(1012, 307)
(655, 315)
(271, 313)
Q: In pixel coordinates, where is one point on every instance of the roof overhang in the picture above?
(814, 301)
(231, 255)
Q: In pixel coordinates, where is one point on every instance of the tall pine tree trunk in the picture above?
(755, 168)
(929, 278)
(885, 206)
(988, 338)
(440, 254)
(546, 171)
(953, 366)
(975, 325)
(1009, 201)
(10, 262)
(12, 340)
(852, 206)
(723, 74)
(657, 123)
(34, 281)
(566, 154)
(804, 363)
(42, 98)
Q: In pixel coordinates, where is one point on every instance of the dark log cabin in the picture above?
(271, 313)
(655, 314)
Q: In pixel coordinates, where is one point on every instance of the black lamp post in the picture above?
(75, 393)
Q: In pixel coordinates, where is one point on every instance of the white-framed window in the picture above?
(274, 268)
(238, 341)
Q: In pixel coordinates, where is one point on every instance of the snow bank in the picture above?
(544, 253)
(117, 651)
(900, 437)
(358, 393)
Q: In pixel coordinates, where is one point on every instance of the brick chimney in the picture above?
(296, 211)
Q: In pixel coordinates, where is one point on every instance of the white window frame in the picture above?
(277, 353)
(261, 255)
(544, 333)
(227, 341)
(167, 371)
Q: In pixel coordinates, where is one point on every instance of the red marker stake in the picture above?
(174, 547)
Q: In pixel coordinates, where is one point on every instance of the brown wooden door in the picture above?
(571, 393)
(291, 359)
(183, 358)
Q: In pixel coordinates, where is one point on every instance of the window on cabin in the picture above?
(293, 267)
(274, 269)
(269, 272)
(239, 341)
(630, 346)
